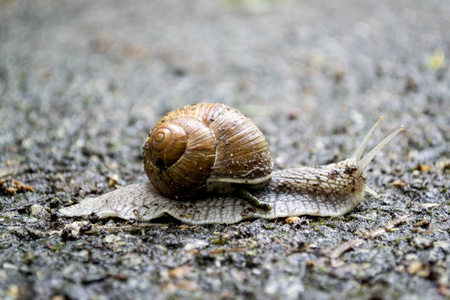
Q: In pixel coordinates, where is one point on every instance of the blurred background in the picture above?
(98, 74)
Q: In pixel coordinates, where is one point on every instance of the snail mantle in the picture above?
(236, 183)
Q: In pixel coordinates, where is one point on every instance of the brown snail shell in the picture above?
(206, 147)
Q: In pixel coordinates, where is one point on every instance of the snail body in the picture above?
(330, 190)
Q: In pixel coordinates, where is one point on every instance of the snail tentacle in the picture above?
(362, 146)
(365, 161)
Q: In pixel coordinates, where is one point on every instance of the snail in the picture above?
(239, 182)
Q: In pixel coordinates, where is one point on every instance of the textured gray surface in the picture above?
(82, 83)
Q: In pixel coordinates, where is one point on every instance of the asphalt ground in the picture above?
(82, 83)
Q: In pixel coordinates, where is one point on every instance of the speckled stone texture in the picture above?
(82, 83)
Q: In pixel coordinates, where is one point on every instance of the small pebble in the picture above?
(293, 220)
(180, 272)
(422, 242)
(113, 179)
(36, 210)
(414, 267)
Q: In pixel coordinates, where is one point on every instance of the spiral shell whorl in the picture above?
(185, 170)
(168, 143)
